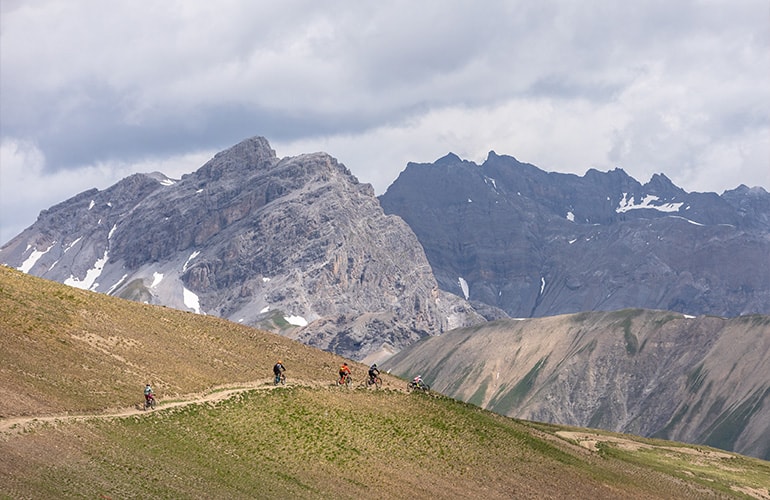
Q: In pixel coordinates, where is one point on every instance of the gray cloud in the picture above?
(93, 91)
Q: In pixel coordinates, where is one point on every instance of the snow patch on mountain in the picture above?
(688, 220)
(463, 286)
(67, 248)
(89, 282)
(32, 259)
(296, 320)
(191, 257)
(627, 204)
(191, 300)
(116, 285)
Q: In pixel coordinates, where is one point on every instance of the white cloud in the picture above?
(674, 87)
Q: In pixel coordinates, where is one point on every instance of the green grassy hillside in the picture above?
(78, 354)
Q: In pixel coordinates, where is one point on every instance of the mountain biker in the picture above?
(148, 393)
(373, 373)
(417, 381)
(278, 369)
(344, 372)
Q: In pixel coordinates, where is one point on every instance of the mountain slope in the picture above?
(294, 244)
(63, 349)
(699, 380)
(306, 440)
(536, 244)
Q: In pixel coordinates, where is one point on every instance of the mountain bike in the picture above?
(347, 381)
(280, 379)
(413, 386)
(376, 382)
(149, 403)
(368, 382)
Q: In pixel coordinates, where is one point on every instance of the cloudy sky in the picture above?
(93, 91)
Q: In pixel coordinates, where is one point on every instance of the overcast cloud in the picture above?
(93, 91)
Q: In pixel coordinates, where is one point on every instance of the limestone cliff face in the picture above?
(293, 244)
(700, 380)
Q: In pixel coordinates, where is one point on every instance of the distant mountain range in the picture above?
(534, 243)
(298, 245)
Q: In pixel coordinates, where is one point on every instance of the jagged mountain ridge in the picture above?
(537, 243)
(294, 244)
(699, 380)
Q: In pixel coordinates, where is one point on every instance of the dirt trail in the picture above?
(17, 425)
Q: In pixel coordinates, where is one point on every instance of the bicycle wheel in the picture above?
(377, 383)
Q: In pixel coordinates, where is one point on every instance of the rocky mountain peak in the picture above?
(662, 186)
(752, 205)
(449, 159)
(295, 244)
(247, 155)
(251, 151)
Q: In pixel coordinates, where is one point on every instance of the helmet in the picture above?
(374, 365)
(344, 364)
(280, 362)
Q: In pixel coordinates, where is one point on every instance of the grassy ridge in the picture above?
(319, 443)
